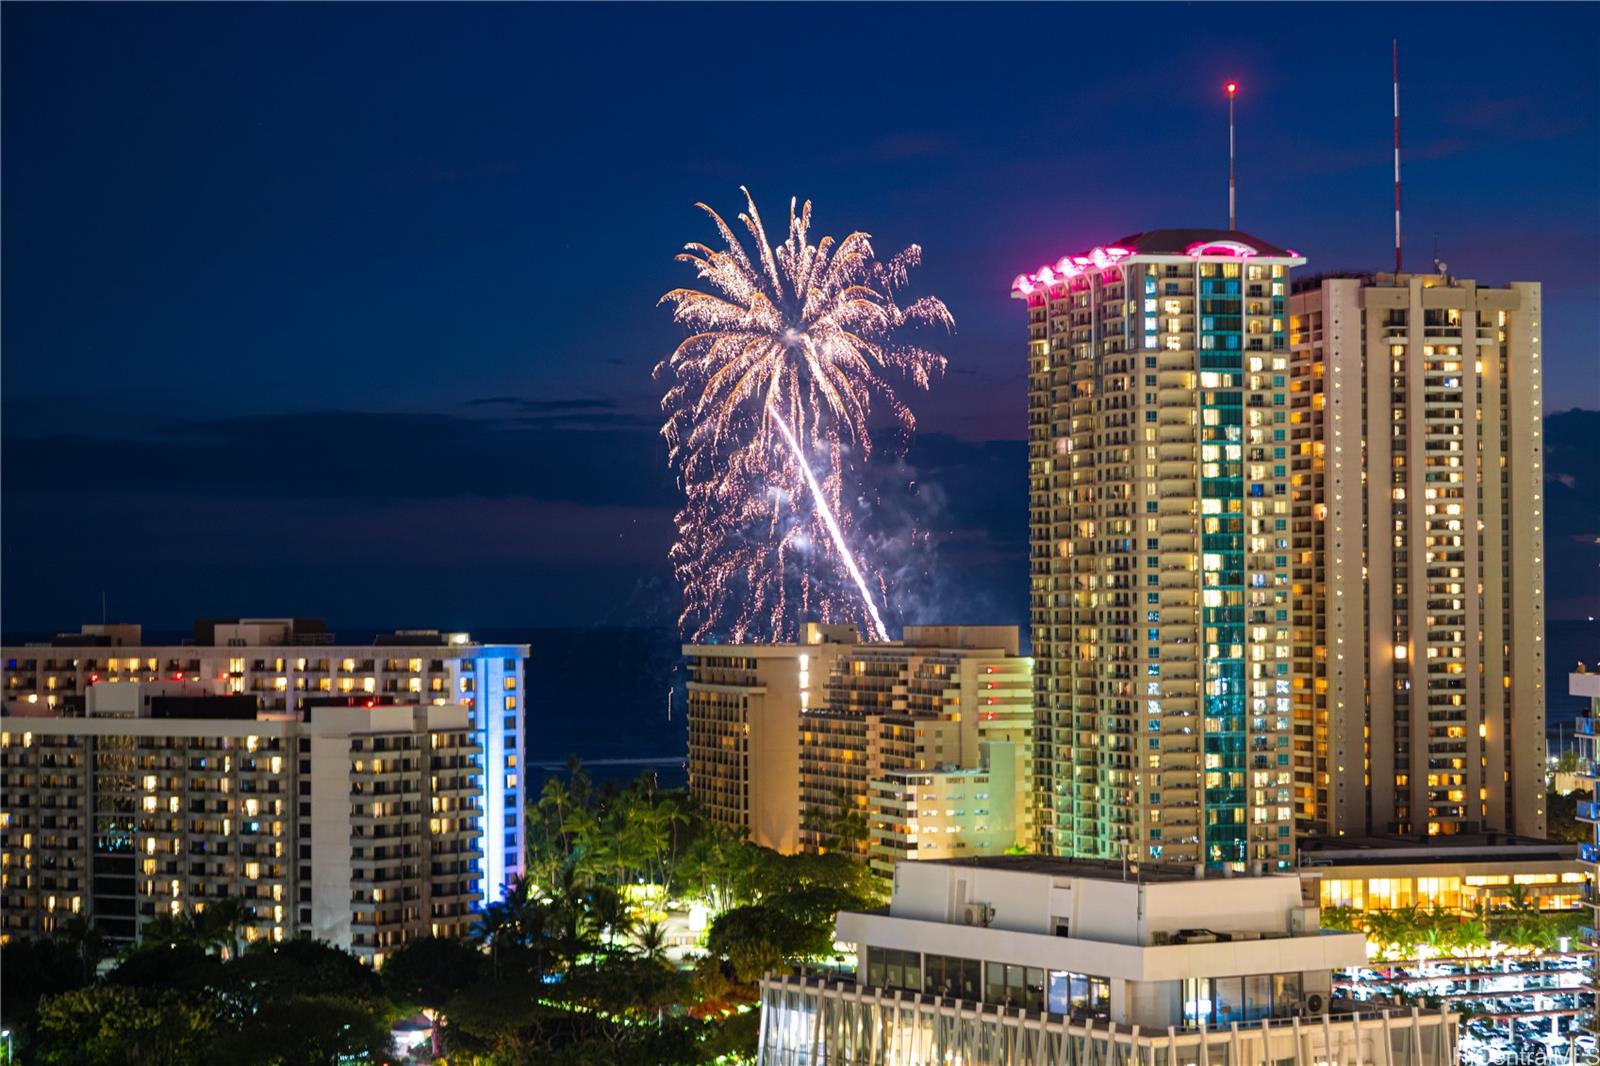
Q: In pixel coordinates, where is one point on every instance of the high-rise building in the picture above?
(1161, 547)
(744, 729)
(286, 662)
(914, 748)
(356, 821)
(1418, 581)
(925, 743)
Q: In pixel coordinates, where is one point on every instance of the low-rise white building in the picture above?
(1032, 959)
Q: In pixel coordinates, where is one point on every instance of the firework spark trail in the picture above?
(839, 543)
(791, 340)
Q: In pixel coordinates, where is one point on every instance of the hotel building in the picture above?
(1038, 959)
(922, 745)
(286, 662)
(1162, 549)
(744, 729)
(1416, 490)
(356, 821)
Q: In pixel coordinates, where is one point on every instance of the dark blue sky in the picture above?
(350, 310)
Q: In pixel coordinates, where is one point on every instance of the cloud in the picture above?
(598, 458)
(575, 413)
(523, 404)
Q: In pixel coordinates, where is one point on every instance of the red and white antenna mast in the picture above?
(1397, 155)
(1232, 89)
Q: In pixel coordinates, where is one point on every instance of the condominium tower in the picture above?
(916, 748)
(1161, 547)
(286, 662)
(357, 822)
(1418, 608)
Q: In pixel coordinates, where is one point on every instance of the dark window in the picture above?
(955, 978)
(889, 968)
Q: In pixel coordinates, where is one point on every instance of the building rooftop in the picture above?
(1095, 869)
(1184, 241)
(1221, 243)
(231, 633)
(1464, 847)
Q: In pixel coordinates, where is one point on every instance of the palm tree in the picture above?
(1437, 930)
(218, 925)
(166, 929)
(651, 942)
(500, 927)
(610, 912)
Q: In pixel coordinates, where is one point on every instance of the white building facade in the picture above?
(358, 822)
(285, 662)
(1416, 461)
(1035, 959)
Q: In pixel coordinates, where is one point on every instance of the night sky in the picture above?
(350, 311)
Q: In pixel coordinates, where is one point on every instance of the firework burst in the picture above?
(768, 421)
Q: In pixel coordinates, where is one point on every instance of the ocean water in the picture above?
(614, 696)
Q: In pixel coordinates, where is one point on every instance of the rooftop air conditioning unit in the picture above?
(1314, 1003)
(1305, 920)
(978, 914)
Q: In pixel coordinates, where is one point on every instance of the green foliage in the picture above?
(268, 972)
(166, 966)
(294, 1029)
(757, 938)
(736, 1039)
(840, 826)
(216, 928)
(721, 867)
(1346, 919)
(604, 837)
(109, 1025)
(1408, 932)
(427, 972)
(33, 968)
(30, 971)
(494, 1010)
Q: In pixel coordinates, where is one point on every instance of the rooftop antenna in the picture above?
(1232, 89)
(1396, 43)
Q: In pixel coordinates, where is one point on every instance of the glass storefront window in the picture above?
(1196, 1001)
(1229, 996)
(1100, 997)
(956, 978)
(994, 985)
(1285, 993)
(1223, 1000)
(1258, 996)
(1079, 996)
(889, 968)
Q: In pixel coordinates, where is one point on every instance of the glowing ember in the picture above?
(784, 357)
(821, 500)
